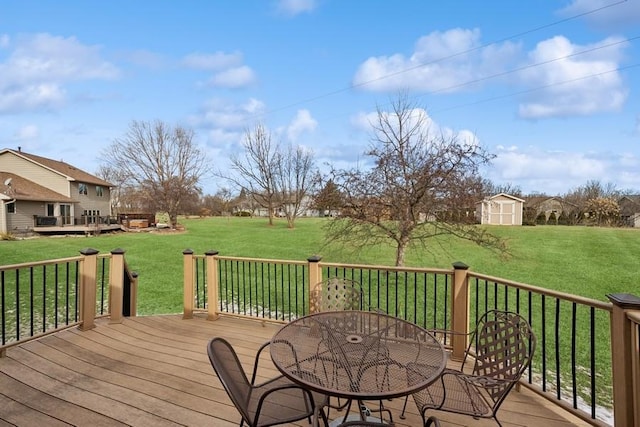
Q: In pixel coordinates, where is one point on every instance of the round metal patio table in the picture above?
(360, 355)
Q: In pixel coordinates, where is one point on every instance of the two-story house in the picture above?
(38, 194)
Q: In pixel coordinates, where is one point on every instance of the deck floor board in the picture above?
(154, 371)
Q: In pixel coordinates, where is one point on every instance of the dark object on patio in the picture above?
(336, 294)
(276, 401)
(431, 421)
(501, 346)
(361, 423)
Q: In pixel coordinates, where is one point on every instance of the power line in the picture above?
(444, 58)
(537, 64)
(482, 101)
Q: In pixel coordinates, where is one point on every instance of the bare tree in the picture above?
(161, 162)
(420, 186)
(579, 197)
(256, 168)
(491, 189)
(294, 178)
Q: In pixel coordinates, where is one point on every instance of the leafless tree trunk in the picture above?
(162, 163)
(421, 185)
(294, 179)
(256, 169)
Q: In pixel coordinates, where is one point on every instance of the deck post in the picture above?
(315, 272)
(116, 285)
(133, 311)
(624, 354)
(212, 285)
(88, 274)
(459, 310)
(188, 284)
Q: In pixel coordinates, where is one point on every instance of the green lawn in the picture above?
(586, 261)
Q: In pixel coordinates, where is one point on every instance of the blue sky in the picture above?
(549, 87)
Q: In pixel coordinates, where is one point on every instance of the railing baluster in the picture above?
(574, 386)
(544, 345)
(18, 305)
(44, 298)
(4, 305)
(31, 301)
(55, 295)
(592, 328)
(557, 350)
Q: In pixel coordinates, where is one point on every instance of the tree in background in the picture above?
(421, 185)
(294, 181)
(274, 176)
(161, 163)
(490, 189)
(603, 211)
(220, 203)
(328, 200)
(579, 197)
(255, 169)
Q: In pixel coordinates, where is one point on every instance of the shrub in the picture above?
(541, 219)
(553, 219)
(7, 236)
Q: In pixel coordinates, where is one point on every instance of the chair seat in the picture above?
(281, 404)
(461, 396)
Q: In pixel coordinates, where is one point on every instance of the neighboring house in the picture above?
(44, 195)
(535, 205)
(630, 210)
(500, 209)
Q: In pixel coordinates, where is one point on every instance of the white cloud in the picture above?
(38, 67)
(28, 132)
(225, 115)
(35, 96)
(625, 13)
(578, 84)
(441, 62)
(234, 78)
(212, 61)
(557, 172)
(303, 122)
(295, 7)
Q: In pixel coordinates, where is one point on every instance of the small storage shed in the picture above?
(501, 209)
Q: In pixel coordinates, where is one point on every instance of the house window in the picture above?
(82, 189)
(99, 190)
(11, 207)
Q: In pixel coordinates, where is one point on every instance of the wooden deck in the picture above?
(154, 371)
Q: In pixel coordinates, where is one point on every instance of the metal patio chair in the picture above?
(336, 294)
(276, 401)
(501, 347)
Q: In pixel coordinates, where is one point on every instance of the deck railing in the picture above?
(39, 298)
(574, 364)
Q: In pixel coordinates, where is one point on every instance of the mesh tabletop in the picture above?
(357, 354)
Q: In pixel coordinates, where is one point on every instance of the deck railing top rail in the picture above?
(590, 302)
(22, 265)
